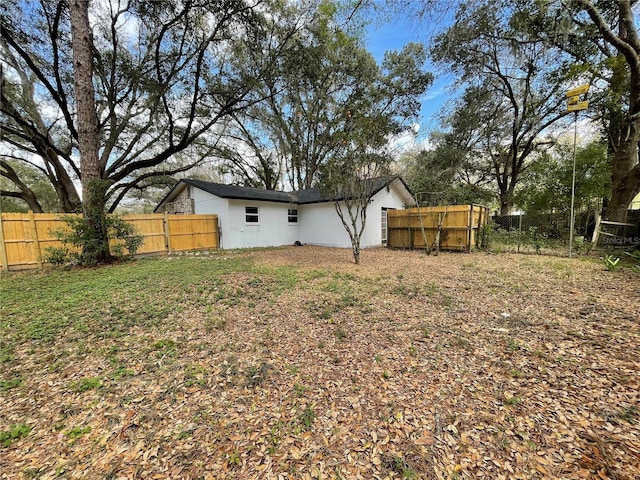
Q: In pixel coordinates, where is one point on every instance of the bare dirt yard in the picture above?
(296, 363)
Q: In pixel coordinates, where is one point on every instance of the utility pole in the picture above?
(574, 104)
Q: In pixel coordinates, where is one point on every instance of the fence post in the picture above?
(470, 228)
(519, 229)
(167, 236)
(3, 248)
(34, 237)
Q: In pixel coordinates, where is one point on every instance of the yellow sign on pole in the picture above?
(581, 90)
(576, 107)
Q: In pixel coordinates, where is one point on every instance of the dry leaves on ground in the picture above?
(307, 366)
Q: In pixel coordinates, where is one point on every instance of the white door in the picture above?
(383, 223)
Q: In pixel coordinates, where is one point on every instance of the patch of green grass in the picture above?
(513, 401)
(513, 345)
(77, 432)
(84, 302)
(9, 384)
(341, 334)
(86, 384)
(292, 369)
(300, 390)
(397, 464)
(15, 432)
(307, 418)
(122, 372)
(195, 375)
(256, 374)
(7, 358)
(407, 291)
(460, 342)
(310, 275)
(164, 347)
(631, 414)
(215, 324)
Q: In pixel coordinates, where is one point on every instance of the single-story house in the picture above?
(253, 217)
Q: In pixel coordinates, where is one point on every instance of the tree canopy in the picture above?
(163, 78)
(325, 94)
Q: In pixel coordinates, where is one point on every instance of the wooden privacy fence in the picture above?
(24, 237)
(457, 225)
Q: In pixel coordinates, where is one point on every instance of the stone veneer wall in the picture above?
(182, 204)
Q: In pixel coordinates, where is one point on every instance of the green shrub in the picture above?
(80, 241)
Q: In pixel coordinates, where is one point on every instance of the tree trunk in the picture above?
(96, 248)
(505, 204)
(625, 179)
(356, 252)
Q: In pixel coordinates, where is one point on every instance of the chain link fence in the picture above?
(549, 233)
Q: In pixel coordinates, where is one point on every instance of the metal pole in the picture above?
(519, 230)
(573, 183)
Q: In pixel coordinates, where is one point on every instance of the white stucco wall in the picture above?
(204, 202)
(272, 230)
(320, 224)
(391, 199)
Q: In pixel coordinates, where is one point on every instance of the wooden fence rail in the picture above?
(25, 237)
(458, 227)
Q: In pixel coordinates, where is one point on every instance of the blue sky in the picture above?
(393, 36)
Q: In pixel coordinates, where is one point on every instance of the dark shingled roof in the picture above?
(311, 195)
(246, 193)
(317, 195)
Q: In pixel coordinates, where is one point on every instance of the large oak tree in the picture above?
(163, 81)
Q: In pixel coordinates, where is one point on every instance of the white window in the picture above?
(292, 215)
(251, 215)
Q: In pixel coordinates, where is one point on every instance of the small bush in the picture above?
(80, 242)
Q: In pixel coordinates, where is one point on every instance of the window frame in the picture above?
(290, 216)
(252, 214)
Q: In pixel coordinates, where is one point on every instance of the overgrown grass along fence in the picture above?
(548, 233)
(25, 237)
(453, 227)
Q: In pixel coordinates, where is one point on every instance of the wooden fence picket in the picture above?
(24, 237)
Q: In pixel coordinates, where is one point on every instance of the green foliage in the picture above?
(35, 181)
(83, 245)
(256, 374)
(399, 465)
(635, 256)
(546, 185)
(307, 418)
(328, 98)
(581, 246)
(86, 384)
(77, 432)
(195, 375)
(9, 384)
(611, 263)
(434, 175)
(16, 432)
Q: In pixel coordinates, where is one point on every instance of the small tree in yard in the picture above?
(351, 184)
